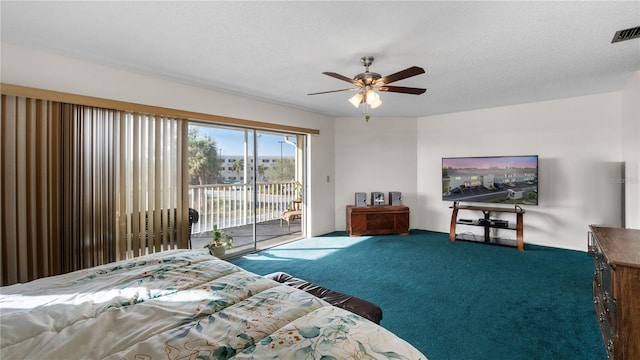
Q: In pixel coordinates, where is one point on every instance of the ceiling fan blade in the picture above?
(344, 78)
(402, 74)
(402, 89)
(332, 91)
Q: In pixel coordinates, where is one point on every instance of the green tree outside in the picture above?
(238, 166)
(281, 171)
(261, 171)
(204, 164)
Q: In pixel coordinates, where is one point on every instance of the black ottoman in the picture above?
(356, 305)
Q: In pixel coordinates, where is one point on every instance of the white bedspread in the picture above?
(182, 304)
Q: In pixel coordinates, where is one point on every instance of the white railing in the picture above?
(231, 205)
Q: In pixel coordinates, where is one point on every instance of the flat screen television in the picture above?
(491, 179)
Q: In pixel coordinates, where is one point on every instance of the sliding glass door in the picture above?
(247, 183)
(279, 202)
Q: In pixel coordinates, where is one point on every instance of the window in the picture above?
(255, 197)
(33, 129)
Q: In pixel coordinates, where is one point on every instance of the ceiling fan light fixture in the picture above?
(373, 99)
(368, 82)
(356, 100)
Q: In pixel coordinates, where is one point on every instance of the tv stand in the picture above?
(487, 223)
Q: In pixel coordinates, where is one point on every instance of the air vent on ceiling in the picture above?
(626, 34)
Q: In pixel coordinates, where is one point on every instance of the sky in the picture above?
(231, 142)
(499, 162)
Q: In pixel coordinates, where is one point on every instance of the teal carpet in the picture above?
(457, 300)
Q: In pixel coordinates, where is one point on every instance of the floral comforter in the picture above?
(182, 304)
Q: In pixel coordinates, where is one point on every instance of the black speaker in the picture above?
(361, 199)
(377, 198)
(395, 198)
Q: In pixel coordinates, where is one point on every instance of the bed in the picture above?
(182, 304)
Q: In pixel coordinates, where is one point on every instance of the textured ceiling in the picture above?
(476, 54)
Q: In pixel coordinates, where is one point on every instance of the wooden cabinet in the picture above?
(616, 289)
(377, 220)
(488, 223)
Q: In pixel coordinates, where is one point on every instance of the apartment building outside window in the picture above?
(248, 202)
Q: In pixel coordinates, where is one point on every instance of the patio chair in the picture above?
(295, 212)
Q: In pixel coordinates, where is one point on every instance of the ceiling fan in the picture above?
(368, 82)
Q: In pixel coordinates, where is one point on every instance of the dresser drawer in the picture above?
(616, 289)
(605, 307)
(603, 291)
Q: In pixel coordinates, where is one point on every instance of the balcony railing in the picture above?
(232, 205)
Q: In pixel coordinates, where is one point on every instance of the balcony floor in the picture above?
(268, 234)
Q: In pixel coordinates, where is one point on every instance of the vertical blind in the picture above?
(25, 194)
(152, 186)
(84, 210)
(83, 186)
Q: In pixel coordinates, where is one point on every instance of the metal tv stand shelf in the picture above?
(487, 223)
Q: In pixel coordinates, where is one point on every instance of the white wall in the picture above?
(27, 67)
(631, 150)
(378, 155)
(581, 143)
(578, 141)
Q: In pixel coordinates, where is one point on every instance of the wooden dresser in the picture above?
(616, 289)
(377, 220)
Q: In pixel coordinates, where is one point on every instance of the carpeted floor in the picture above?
(457, 300)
